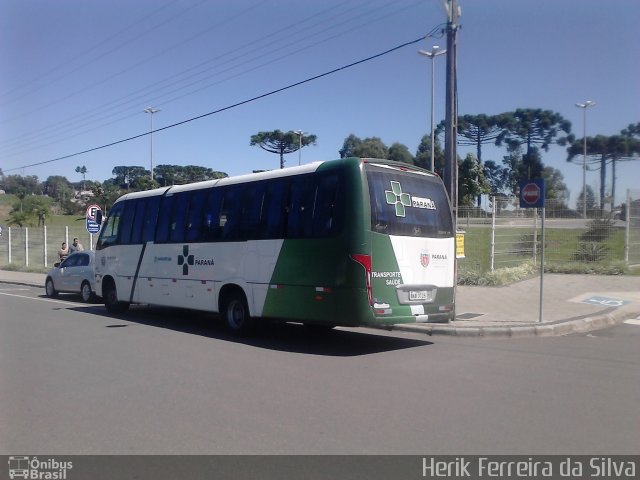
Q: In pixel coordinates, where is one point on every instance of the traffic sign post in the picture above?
(532, 193)
(93, 226)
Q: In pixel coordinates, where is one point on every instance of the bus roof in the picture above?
(269, 174)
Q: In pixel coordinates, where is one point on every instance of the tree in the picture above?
(58, 188)
(536, 129)
(372, 147)
(591, 200)
(601, 150)
(423, 155)
(127, 176)
(82, 171)
(17, 184)
(400, 153)
(497, 177)
(555, 188)
(351, 143)
(471, 181)
(167, 175)
(477, 130)
(281, 142)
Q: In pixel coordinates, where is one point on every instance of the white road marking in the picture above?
(12, 289)
(633, 321)
(41, 299)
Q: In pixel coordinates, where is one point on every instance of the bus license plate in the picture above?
(415, 295)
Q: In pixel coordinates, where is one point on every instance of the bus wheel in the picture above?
(111, 299)
(236, 314)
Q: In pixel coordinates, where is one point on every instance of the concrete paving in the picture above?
(571, 303)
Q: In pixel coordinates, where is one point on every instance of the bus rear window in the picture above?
(408, 204)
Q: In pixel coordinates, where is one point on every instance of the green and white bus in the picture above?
(350, 242)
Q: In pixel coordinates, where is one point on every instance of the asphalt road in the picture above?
(74, 380)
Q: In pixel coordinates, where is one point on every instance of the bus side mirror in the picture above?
(99, 217)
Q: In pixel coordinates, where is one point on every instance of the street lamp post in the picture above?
(584, 107)
(151, 111)
(300, 133)
(435, 51)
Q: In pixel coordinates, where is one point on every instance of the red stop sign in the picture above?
(531, 193)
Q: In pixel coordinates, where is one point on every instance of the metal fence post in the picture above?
(46, 264)
(493, 232)
(627, 233)
(26, 246)
(9, 240)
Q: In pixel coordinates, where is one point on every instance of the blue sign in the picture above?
(532, 193)
(92, 213)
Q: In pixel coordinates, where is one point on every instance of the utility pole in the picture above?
(451, 109)
(151, 111)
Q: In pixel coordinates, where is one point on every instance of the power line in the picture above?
(238, 104)
(178, 80)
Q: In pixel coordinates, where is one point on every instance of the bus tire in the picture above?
(236, 313)
(111, 302)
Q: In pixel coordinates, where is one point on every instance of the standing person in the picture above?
(63, 252)
(76, 246)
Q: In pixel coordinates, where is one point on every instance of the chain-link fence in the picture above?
(508, 235)
(632, 241)
(36, 248)
(504, 236)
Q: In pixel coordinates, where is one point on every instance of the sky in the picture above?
(77, 75)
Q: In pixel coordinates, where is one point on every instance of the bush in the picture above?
(599, 229)
(501, 276)
(590, 252)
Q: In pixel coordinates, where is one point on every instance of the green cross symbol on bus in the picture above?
(397, 198)
(185, 256)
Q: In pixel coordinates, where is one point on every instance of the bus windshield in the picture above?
(408, 203)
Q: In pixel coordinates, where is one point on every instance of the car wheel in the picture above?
(111, 302)
(86, 292)
(50, 289)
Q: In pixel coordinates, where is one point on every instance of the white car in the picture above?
(74, 275)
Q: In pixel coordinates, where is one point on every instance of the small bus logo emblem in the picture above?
(398, 199)
(185, 260)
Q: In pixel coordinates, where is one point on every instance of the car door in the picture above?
(77, 271)
(63, 282)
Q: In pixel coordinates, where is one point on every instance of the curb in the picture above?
(555, 329)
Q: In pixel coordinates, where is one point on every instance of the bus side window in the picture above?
(229, 219)
(300, 219)
(326, 215)
(126, 221)
(150, 218)
(210, 229)
(194, 218)
(273, 210)
(109, 233)
(179, 217)
(164, 219)
(138, 221)
(251, 211)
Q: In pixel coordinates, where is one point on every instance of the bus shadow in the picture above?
(285, 337)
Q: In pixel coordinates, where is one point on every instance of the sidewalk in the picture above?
(571, 303)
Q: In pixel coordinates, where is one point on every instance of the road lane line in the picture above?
(42, 299)
(633, 322)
